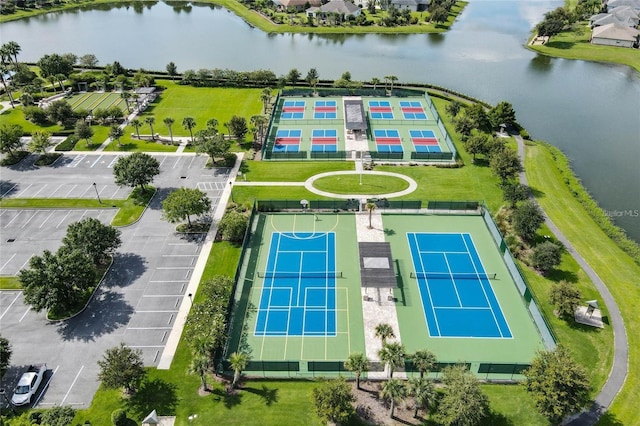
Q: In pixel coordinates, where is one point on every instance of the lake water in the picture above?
(589, 110)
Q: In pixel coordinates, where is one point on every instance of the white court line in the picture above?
(23, 191)
(73, 383)
(7, 262)
(45, 221)
(10, 305)
(95, 162)
(9, 190)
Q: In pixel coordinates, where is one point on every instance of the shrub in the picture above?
(35, 114)
(545, 256)
(565, 297)
(68, 144)
(58, 416)
(233, 226)
(119, 417)
(230, 159)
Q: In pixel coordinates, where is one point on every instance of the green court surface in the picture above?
(349, 335)
(97, 100)
(503, 357)
(519, 349)
(398, 128)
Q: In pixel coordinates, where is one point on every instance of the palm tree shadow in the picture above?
(229, 400)
(269, 396)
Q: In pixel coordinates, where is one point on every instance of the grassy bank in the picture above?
(256, 19)
(616, 268)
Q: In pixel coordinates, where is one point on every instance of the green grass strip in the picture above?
(129, 211)
(351, 184)
(615, 267)
(10, 283)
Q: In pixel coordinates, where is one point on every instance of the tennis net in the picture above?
(454, 276)
(302, 274)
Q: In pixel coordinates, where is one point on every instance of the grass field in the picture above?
(365, 184)
(614, 267)
(575, 45)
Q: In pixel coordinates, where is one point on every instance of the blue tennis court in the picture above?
(298, 295)
(424, 141)
(287, 140)
(412, 110)
(292, 110)
(387, 140)
(325, 110)
(380, 110)
(324, 140)
(456, 291)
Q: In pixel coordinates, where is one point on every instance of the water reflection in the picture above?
(541, 63)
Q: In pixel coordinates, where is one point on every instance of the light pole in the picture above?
(97, 194)
(190, 297)
(231, 190)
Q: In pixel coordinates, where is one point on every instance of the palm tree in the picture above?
(370, 208)
(358, 363)
(423, 393)
(126, 96)
(115, 133)
(392, 354)
(384, 331)
(424, 361)
(238, 361)
(395, 391)
(391, 79)
(168, 121)
(61, 78)
(265, 97)
(12, 49)
(375, 81)
(259, 121)
(189, 123)
(136, 123)
(150, 120)
(200, 365)
(3, 70)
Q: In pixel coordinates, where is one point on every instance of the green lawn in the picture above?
(575, 45)
(16, 116)
(289, 171)
(614, 266)
(201, 103)
(357, 184)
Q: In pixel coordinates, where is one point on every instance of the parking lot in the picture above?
(139, 299)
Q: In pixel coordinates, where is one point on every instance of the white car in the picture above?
(28, 384)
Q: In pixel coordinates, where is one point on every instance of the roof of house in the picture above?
(612, 4)
(339, 6)
(405, 2)
(615, 32)
(297, 3)
(615, 19)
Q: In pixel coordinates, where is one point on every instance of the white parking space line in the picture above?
(40, 190)
(179, 255)
(115, 159)
(164, 158)
(24, 315)
(9, 190)
(176, 163)
(76, 161)
(46, 385)
(73, 383)
(95, 162)
(56, 190)
(14, 218)
(10, 304)
(45, 221)
(63, 219)
(7, 262)
(29, 220)
(25, 263)
(70, 191)
(24, 190)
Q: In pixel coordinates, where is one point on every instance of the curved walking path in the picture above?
(620, 366)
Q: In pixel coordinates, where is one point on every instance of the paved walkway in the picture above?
(376, 308)
(619, 369)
